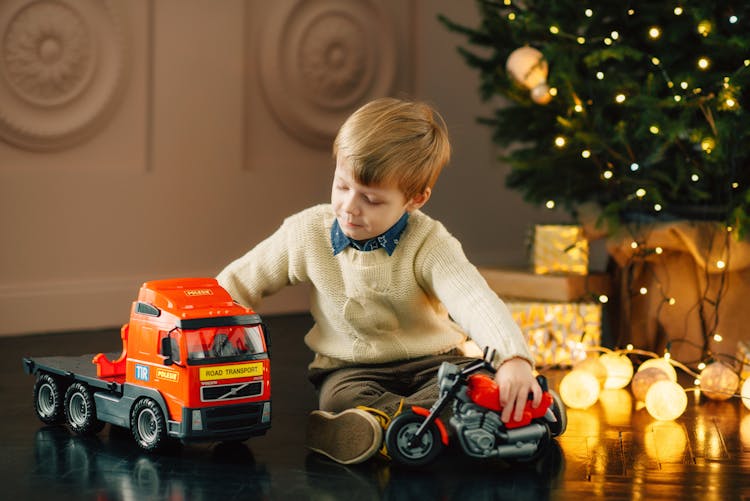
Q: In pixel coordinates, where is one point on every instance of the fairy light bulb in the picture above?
(550, 204)
(603, 298)
(704, 28)
(703, 63)
(607, 174)
(579, 389)
(721, 264)
(620, 98)
(657, 207)
(643, 379)
(654, 32)
(640, 193)
(719, 381)
(528, 67)
(619, 370)
(666, 400)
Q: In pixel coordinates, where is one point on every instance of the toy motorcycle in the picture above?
(416, 436)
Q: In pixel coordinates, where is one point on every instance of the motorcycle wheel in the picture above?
(398, 440)
(558, 409)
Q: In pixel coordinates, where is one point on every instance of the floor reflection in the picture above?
(110, 467)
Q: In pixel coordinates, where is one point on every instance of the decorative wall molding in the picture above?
(318, 60)
(62, 66)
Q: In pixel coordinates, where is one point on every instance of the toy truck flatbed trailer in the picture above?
(194, 367)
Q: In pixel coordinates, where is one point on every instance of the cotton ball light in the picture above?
(527, 66)
(594, 366)
(746, 393)
(660, 363)
(619, 370)
(719, 381)
(643, 379)
(666, 400)
(579, 389)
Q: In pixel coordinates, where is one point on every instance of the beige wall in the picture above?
(179, 133)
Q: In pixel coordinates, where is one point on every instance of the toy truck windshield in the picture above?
(220, 344)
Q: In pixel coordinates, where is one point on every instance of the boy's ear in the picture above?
(419, 200)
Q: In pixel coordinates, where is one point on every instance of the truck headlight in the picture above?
(197, 420)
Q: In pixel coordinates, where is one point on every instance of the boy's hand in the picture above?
(516, 380)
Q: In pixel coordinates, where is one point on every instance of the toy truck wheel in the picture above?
(80, 410)
(398, 439)
(148, 425)
(48, 400)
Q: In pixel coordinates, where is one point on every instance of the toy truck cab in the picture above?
(194, 366)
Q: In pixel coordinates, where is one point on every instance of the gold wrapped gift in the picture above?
(559, 249)
(558, 333)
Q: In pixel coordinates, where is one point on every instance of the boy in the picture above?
(385, 279)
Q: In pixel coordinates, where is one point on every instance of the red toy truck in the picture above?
(194, 366)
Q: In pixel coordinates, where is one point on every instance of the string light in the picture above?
(560, 141)
(620, 98)
(654, 32)
(550, 204)
(640, 193)
(666, 400)
(634, 166)
(718, 381)
(607, 174)
(704, 28)
(704, 63)
(745, 393)
(677, 11)
(657, 207)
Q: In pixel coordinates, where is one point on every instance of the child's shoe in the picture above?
(348, 437)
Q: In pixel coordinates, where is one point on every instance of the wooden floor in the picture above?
(611, 450)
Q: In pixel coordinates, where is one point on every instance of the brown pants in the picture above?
(382, 386)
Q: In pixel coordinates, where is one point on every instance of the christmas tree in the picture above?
(639, 109)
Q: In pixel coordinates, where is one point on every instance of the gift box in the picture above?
(559, 249)
(558, 333)
(510, 283)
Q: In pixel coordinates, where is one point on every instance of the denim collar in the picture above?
(388, 240)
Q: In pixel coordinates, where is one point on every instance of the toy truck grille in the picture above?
(221, 419)
(231, 391)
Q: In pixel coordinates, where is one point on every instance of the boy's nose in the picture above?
(350, 205)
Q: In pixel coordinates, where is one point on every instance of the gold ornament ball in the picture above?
(595, 367)
(666, 400)
(642, 381)
(619, 370)
(719, 381)
(746, 393)
(527, 66)
(579, 389)
(661, 363)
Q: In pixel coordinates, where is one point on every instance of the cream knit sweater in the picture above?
(372, 308)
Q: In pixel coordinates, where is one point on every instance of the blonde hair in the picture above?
(389, 140)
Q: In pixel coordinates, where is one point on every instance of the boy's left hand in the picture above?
(516, 380)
